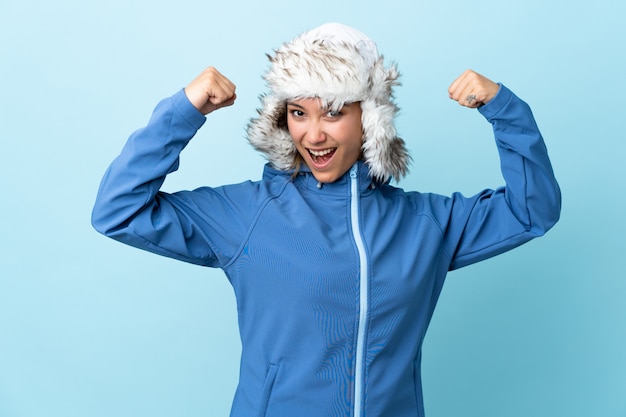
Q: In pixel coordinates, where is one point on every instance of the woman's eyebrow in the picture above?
(292, 104)
(300, 107)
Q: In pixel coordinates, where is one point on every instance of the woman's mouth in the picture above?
(321, 156)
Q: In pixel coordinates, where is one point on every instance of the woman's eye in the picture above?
(297, 113)
(334, 113)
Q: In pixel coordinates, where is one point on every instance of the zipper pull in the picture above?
(354, 170)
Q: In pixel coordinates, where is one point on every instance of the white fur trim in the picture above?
(338, 65)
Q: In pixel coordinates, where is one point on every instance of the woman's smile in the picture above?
(322, 157)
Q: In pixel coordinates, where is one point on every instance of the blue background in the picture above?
(90, 327)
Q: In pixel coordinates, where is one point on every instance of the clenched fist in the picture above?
(472, 90)
(211, 91)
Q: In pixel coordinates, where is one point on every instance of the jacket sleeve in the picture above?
(495, 221)
(130, 208)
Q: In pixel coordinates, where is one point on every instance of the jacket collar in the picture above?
(304, 178)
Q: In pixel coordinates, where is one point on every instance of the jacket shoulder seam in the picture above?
(253, 223)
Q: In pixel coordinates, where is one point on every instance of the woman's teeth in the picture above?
(321, 153)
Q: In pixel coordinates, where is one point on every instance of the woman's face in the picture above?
(328, 141)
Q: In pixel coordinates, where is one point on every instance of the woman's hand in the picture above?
(472, 90)
(211, 91)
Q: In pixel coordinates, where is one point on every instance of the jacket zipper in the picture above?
(363, 292)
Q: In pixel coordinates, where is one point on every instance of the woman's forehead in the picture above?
(316, 102)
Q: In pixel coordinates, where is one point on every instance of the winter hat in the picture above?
(338, 65)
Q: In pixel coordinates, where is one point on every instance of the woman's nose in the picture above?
(315, 133)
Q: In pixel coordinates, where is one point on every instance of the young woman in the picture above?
(335, 271)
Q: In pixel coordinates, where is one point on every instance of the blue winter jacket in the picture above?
(335, 285)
